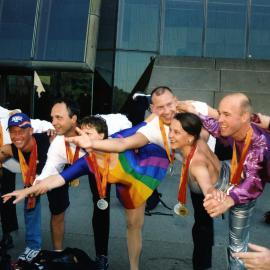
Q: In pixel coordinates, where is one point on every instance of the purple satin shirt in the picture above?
(256, 170)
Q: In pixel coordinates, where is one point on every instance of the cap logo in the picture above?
(17, 118)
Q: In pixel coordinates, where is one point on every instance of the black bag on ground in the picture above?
(5, 262)
(153, 201)
(68, 259)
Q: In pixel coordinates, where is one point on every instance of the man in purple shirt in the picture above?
(249, 171)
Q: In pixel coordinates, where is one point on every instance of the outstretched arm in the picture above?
(197, 107)
(200, 172)
(42, 187)
(115, 145)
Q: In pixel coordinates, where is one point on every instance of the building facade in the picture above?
(58, 39)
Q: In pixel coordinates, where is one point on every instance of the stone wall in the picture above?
(209, 80)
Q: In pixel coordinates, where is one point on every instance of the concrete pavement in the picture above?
(167, 243)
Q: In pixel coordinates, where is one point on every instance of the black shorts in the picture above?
(58, 199)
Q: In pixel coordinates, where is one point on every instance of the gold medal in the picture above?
(180, 210)
(74, 183)
(102, 204)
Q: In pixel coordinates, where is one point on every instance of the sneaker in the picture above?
(6, 242)
(28, 254)
(101, 263)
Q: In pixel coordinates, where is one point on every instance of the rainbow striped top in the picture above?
(136, 173)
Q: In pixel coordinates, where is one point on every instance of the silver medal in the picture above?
(102, 204)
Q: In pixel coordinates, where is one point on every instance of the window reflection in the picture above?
(183, 28)
(138, 24)
(259, 33)
(129, 66)
(226, 28)
(16, 28)
(62, 30)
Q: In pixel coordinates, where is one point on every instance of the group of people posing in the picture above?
(136, 160)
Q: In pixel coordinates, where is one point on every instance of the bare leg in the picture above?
(135, 220)
(57, 230)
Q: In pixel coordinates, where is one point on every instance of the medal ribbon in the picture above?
(236, 169)
(182, 192)
(71, 159)
(29, 171)
(100, 182)
(165, 141)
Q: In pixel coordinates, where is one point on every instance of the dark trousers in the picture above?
(202, 233)
(8, 210)
(100, 219)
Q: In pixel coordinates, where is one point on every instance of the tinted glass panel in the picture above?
(19, 90)
(75, 85)
(129, 66)
(259, 33)
(16, 28)
(183, 28)
(62, 30)
(107, 25)
(104, 65)
(226, 24)
(138, 24)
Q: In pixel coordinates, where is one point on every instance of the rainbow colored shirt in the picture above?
(136, 173)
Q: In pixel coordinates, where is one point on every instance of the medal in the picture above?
(101, 180)
(102, 204)
(180, 210)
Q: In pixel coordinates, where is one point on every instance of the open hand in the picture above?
(19, 194)
(257, 259)
(82, 140)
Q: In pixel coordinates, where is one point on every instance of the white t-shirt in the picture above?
(152, 129)
(57, 157)
(116, 122)
(4, 113)
(152, 132)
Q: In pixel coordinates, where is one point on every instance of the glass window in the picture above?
(183, 28)
(226, 28)
(107, 25)
(138, 24)
(104, 65)
(259, 29)
(16, 28)
(19, 92)
(129, 66)
(75, 85)
(62, 30)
